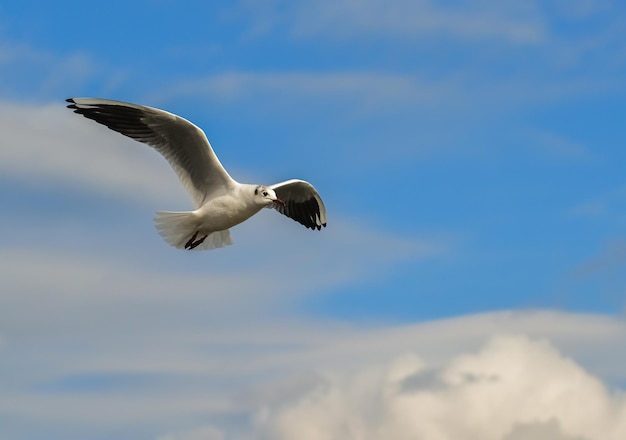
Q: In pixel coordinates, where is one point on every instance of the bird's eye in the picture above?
(264, 193)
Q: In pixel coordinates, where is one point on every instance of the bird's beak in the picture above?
(278, 201)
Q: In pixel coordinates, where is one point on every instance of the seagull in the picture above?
(221, 202)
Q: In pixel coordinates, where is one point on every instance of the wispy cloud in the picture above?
(360, 93)
(348, 251)
(468, 94)
(608, 204)
(407, 19)
(48, 144)
(582, 9)
(31, 71)
(555, 145)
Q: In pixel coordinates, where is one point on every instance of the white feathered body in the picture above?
(214, 218)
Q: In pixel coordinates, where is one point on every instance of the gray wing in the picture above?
(184, 145)
(302, 203)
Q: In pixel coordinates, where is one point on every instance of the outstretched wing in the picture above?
(183, 144)
(302, 203)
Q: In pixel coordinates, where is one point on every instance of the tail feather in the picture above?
(177, 228)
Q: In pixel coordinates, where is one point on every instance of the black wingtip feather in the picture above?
(306, 213)
(72, 104)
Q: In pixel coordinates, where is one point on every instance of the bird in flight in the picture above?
(221, 202)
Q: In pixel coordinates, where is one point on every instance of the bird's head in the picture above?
(266, 196)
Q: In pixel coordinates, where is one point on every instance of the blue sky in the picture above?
(470, 155)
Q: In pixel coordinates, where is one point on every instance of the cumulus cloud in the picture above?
(181, 371)
(512, 388)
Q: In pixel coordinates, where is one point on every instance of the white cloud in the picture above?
(143, 312)
(512, 386)
(198, 363)
(48, 144)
